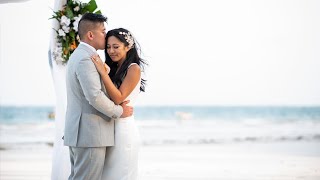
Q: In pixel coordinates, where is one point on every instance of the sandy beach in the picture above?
(233, 161)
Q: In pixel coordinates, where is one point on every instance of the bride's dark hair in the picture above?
(132, 57)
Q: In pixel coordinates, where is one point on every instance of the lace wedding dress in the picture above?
(121, 162)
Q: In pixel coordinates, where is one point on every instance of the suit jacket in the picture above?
(90, 113)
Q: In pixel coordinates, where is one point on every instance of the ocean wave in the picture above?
(164, 131)
(252, 139)
(177, 141)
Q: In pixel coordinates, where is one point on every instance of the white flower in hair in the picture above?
(129, 38)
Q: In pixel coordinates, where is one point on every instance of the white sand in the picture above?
(238, 161)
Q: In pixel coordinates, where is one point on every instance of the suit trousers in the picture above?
(86, 163)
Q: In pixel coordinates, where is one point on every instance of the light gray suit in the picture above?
(89, 124)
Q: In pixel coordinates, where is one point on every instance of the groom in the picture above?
(89, 125)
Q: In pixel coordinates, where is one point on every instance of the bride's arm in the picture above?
(129, 83)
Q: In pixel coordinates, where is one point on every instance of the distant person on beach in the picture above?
(90, 116)
(121, 75)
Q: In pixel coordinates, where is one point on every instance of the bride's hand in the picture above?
(102, 67)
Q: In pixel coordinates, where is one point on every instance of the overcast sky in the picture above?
(202, 52)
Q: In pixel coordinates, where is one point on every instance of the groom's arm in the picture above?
(90, 83)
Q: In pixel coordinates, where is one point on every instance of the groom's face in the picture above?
(99, 36)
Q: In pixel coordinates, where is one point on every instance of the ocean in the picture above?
(28, 127)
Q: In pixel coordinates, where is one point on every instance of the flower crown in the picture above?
(129, 38)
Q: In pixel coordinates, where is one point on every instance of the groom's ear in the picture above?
(90, 35)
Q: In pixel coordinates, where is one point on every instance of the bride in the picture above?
(121, 75)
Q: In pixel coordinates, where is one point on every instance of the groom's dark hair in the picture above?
(88, 22)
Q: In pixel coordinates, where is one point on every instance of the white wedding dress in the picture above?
(121, 162)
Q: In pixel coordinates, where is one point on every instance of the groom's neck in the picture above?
(89, 43)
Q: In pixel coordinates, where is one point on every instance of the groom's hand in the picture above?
(127, 110)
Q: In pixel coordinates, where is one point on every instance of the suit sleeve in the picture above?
(89, 79)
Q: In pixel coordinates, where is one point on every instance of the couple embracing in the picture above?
(100, 129)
